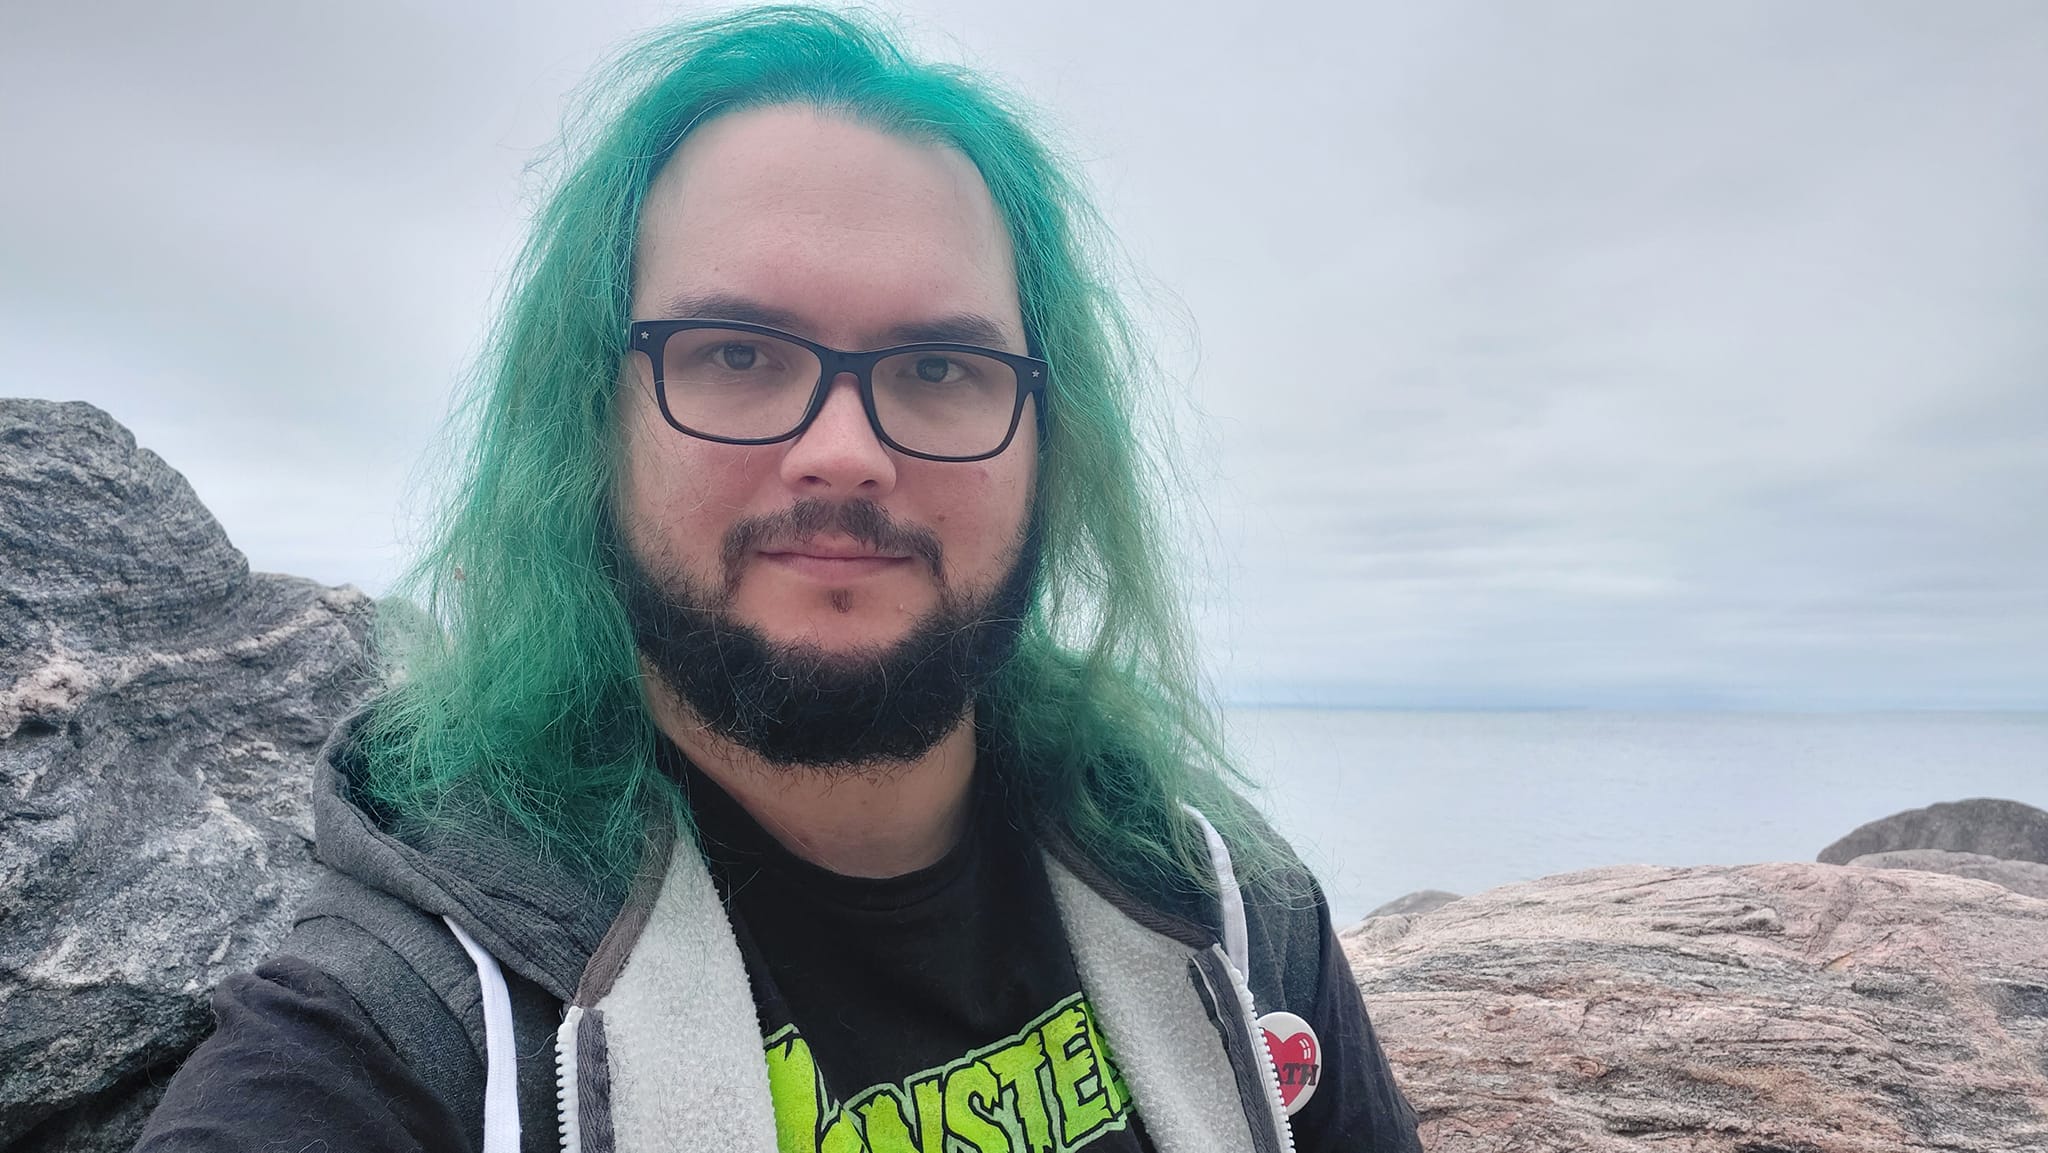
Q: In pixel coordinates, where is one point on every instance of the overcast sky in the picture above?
(1626, 354)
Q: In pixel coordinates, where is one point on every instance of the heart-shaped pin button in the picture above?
(1297, 1057)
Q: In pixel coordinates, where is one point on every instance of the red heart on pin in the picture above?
(1296, 1061)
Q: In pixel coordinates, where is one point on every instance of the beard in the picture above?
(799, 706)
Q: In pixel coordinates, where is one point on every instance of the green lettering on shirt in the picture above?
(1049, 1088)
(797, 1090)
(1076, 1076)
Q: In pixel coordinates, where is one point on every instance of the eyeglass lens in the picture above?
(749, 386)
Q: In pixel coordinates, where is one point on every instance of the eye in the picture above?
(935, 369)
(735, 356)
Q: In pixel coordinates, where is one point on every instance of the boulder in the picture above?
(2008, 830)
(1761, 1009)
(160, 708)
(2024, 877)
(1418, 902)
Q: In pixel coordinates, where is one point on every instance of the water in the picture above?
(1384, 803)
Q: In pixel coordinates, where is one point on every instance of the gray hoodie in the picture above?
(551, 1013)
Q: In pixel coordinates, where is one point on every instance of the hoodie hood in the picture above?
(543, 921)
(536, 918)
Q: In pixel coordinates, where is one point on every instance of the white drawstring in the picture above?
(1235, 938)
(501, 1074)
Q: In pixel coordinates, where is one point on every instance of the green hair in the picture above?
(515, 691)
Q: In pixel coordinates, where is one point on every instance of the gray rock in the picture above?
(2005, 829)
(1419, 901)
(2024, 877)
(160, 707)
(1770, 1007)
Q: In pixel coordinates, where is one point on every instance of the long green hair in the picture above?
(515, 692)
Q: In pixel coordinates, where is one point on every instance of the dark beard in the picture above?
(797, 705)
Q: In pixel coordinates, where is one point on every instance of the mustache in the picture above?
(863, 520)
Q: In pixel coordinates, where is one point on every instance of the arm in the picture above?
(1357, 1106)
(1298, 965)
(295, 1064)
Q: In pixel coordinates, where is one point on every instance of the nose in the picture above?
(839, 453)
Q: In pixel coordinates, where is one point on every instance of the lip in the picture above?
(831, 561)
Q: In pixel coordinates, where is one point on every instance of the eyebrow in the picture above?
(957, 328)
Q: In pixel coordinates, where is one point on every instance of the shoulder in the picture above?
(369, 1008)
(1287, 919)
(401, 964)
(1298, 965)
(294, 1058)
(419, 987)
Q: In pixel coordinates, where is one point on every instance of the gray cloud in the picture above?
(1574, 353)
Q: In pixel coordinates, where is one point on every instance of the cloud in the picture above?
(1602, 353)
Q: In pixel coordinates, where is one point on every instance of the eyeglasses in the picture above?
(738, 383)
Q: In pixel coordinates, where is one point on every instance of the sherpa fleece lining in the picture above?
(681, 1035)
(681, 1039)
(1158, 1030)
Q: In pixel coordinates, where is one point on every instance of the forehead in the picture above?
(847, 230)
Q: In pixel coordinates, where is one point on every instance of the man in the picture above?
(802, 752)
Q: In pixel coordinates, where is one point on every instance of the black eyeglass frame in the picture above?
(651, 337)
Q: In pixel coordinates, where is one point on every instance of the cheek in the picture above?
(678, 502)
(979, 516)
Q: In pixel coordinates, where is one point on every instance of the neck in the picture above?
(882, 821)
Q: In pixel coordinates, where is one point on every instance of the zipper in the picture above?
(1270, 1071)
(566, 1120)
(1229, 1001)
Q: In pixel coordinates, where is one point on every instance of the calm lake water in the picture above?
(1384, 803)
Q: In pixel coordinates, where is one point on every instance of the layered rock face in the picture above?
(160, 706)
(1788, 1008)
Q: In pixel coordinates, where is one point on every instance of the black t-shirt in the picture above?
(941, 1001)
